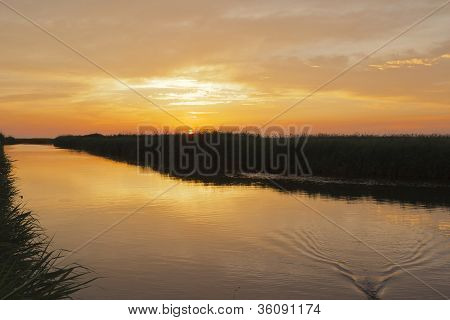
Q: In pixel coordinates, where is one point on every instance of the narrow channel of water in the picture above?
(231, 241)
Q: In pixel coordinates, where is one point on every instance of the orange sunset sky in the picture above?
(223, 62)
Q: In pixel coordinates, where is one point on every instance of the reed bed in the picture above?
(414, 158)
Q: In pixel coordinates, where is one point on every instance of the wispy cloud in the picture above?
(202, 112)
(409, 63)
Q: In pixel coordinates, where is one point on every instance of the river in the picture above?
(150, 236)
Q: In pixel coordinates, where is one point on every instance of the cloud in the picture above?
(202, 112)
(247, 58)
(409, 63)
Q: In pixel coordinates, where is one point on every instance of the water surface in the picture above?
(201, 241)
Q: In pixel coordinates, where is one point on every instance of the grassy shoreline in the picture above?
(28, 267)
(410, 159)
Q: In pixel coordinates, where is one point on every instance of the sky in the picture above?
(221, 63)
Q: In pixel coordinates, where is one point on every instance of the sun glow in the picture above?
(178, 91)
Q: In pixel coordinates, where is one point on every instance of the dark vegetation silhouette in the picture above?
(11, 140)
(389, 158)
(396, 164)
(28, 267)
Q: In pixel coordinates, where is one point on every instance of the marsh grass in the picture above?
(411, 158)
(29, 269)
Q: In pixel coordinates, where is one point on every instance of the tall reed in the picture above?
(392, 158)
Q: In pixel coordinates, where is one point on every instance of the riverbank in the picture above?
(411, 159)
(28, 267)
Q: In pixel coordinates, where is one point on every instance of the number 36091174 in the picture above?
(307, 308)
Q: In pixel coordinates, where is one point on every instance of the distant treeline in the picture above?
(12, 140)
(28, 268)
(391, 158)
